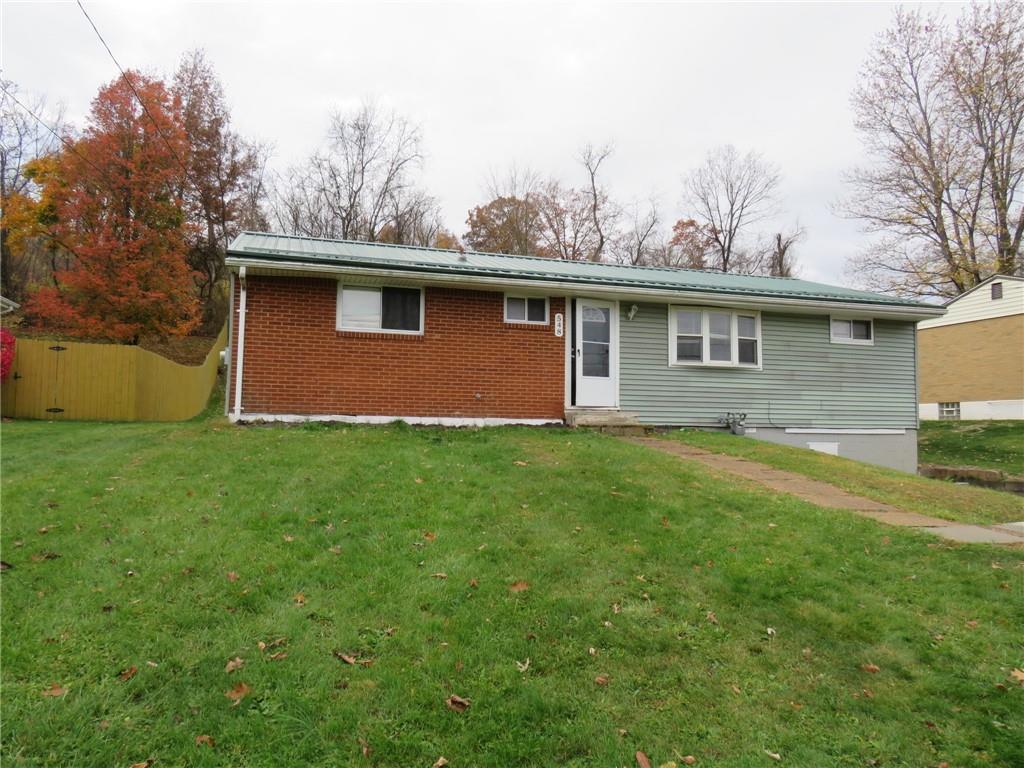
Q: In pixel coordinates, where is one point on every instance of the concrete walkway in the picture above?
(826, 495)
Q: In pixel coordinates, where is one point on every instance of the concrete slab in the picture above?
(826, 495)
(974, 534)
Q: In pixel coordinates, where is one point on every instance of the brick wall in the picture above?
(980, 360)
(468, 362)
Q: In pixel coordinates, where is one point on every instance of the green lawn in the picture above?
(589, 597)
(986, 444)
(909, 492)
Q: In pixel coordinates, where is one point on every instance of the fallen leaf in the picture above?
(335, 550)
(288, 537)
(55, 690)
(39, 557)
(236, 694)
(143, 764)
(520, 463)
(429, 535)
(601, 680)
(232, 576)
(773, 755)
(278, 656)
(457, 703)
(441, 762)
(439, 575)
(128, 674)
(664, 522)
(5, 566)
(689, 760)
(522, 666)
(364, 747)
(736, 689)
(474, 583)
(1018, 675)
(592, 651)
(712, 618)
(642, 761)
(204, 739)
(233, 664)
(419, 480)
(299, 598)
(519, 586)
(872, 668)
(770, 631)
(973, 624)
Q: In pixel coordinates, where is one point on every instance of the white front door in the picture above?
(597, 353)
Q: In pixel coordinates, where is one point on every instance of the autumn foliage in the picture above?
(116, 204)
(6, 352)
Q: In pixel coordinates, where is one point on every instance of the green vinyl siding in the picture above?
(805, 380)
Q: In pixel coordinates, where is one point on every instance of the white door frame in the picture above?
(612, 399)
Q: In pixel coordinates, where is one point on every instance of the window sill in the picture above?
(738, 366)
(854, 342)
(367, 333)
(536, 324)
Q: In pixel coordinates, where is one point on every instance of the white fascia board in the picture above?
(621, 293)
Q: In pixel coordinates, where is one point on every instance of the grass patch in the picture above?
(173, 548)
(911, 493)
(986, 444)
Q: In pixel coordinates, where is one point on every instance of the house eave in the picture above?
(808, 305)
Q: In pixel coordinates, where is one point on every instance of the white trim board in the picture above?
(841, 431)
(424, 421)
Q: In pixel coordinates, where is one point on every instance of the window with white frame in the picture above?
(846, 330)
(949, 411)
(526, 309)
(714, 337)
(383, 309)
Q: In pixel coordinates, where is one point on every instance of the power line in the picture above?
(138, 98)
(67, 144)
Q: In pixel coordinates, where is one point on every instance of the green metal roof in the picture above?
(271, 248)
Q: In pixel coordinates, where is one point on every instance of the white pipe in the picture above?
(241, 343)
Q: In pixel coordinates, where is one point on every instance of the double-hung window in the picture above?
(526, 309)
(383, 310)
(714, 337)
(844, 330)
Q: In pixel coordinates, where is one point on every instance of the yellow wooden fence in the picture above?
(105, 382)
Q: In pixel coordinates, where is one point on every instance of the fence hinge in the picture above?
(58, 348)
(55, 410)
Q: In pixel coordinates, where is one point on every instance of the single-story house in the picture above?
(971, 360)
(371, 332)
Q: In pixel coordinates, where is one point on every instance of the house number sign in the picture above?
(559, 325)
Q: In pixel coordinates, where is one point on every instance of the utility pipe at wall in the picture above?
(241, 343)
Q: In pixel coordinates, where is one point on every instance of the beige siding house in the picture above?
(971, 360)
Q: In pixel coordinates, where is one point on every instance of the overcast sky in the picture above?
(493, 84)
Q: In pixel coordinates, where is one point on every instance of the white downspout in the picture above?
(241, 346)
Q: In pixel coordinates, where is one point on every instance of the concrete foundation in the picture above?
(893, 448)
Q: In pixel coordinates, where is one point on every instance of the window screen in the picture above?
(400, 309)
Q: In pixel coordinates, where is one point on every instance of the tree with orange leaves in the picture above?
(114, 202)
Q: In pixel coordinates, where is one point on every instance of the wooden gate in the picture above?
(106, 382)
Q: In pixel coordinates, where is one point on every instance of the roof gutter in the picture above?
(714, 298)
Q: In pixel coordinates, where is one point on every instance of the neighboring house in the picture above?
(367, 332)
(971, 359)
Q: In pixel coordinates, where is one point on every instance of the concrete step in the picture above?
(600, 417)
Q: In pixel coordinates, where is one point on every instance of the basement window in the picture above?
(949, 411)
(380, 310)
(708, 336)
(846, 330)
(526, 309)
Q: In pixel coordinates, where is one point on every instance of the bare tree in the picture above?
(778, 259)
(728, 194)
(603, 212)
(22, 140)
(940, 113)
(637, 243)
(361, 186)
(568, 230)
